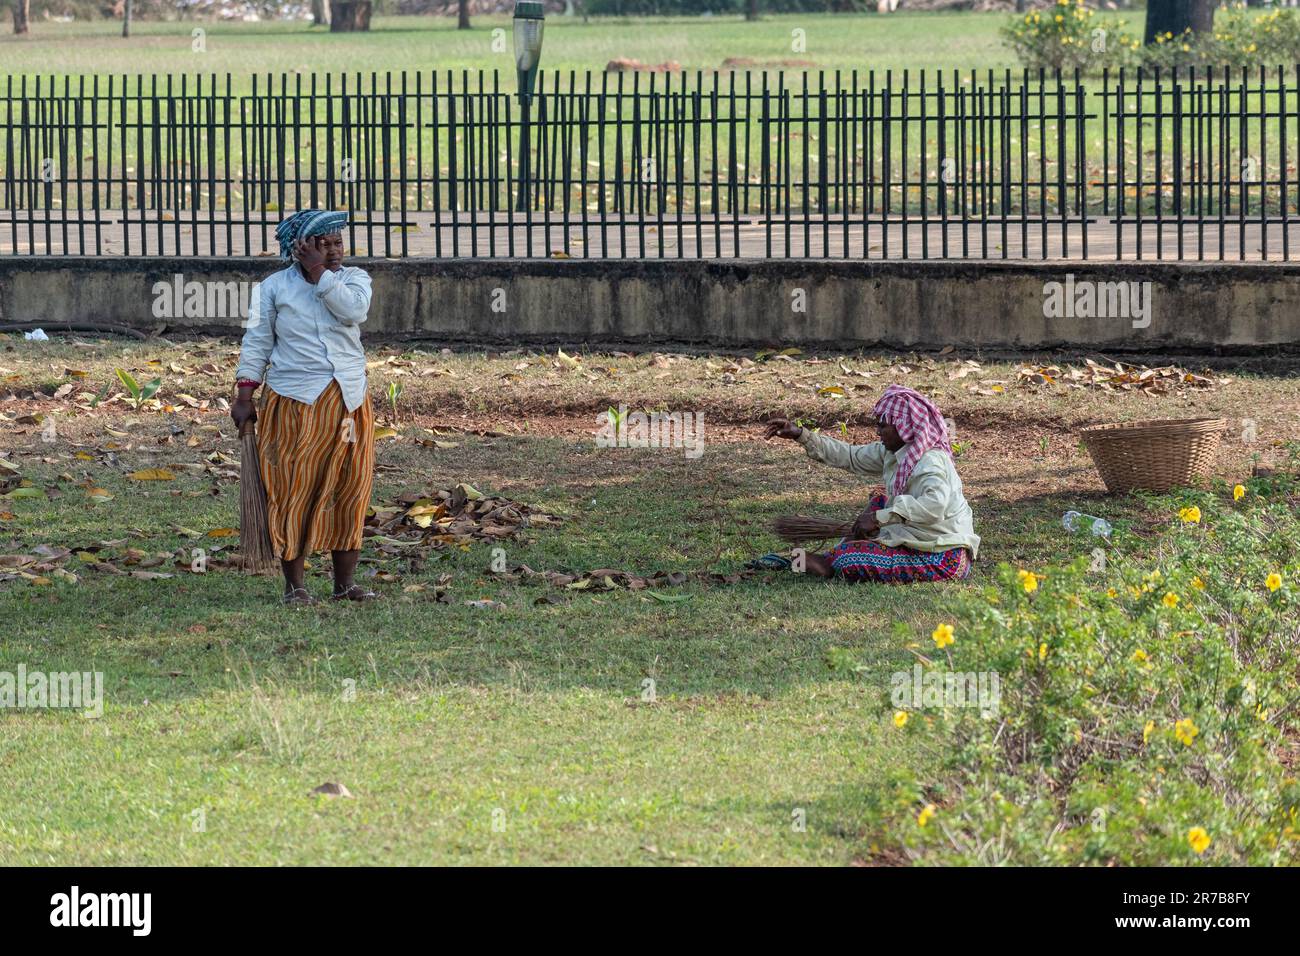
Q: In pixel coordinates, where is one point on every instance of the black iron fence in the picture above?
(1190, 164)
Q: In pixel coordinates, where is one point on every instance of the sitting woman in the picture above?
(921, 528)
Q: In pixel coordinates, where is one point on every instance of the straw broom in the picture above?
(255, 549)
(798, 529)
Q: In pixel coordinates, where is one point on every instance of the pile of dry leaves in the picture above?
(450, 517)
(613, 579)
(44, 564)
(1118, 377)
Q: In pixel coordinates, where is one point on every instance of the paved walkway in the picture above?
(747, 237)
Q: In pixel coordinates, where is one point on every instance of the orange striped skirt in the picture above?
(318, 464)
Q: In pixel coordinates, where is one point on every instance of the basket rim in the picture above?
(1171, 425)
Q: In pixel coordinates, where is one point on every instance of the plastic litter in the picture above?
(1074, 520)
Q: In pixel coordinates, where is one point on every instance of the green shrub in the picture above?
(1070, 35)
(1241, 38)
(1067, 36)
(1147, 703)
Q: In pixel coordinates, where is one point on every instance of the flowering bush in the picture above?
(1067, 36)
(1145, 702)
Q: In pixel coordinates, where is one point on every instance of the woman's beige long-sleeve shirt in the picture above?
(932, 516)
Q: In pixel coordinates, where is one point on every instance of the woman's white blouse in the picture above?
(308, 334)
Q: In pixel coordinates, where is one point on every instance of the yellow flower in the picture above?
(1185, 730)
(1238, 492)
(1029, 581)
(1112, 593)
(1198, 839)
(1198, 583)
(1170, 599)
(1273, 581)
(1190, 515)
(1261, 712)
(1042, 652)
(900, 718)
(1140, 656)
(1146, 731)
(924, 816)
(942, 636)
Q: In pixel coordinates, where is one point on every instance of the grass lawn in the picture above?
(522, 733)
(910, 40)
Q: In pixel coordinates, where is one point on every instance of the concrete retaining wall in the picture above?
(1206, 307)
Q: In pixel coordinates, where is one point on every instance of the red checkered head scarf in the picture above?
(918, 423)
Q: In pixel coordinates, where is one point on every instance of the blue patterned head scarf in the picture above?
(304, 225)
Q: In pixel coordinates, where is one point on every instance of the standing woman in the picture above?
(316, 439)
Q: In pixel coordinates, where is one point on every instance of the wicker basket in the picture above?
(1153, 456)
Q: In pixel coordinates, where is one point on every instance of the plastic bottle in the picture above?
(1074, 520)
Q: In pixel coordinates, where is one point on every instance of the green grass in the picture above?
(220, 700)
(833, 42)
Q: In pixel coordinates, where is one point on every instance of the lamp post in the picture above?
(530, 18)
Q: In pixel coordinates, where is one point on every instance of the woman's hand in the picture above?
(242, 412)
(782, 428)
(866, 526)
(310, 258)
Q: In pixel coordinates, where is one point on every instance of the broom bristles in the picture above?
(255, 550)
(797, 528)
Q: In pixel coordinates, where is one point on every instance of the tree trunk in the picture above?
(348, 16)
(462, 15)
(751, 10)
(20, 15)
(320, 13)
(126, 20)
(1177, 16)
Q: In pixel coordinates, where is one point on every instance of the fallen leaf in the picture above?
(152, 474)
(331, 790)
(669, 598)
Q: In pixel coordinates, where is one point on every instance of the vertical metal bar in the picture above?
(945, 161)
(1160, 167)
(924, 179)
(1178, 158)
(1263, 163)
(904, 122)
(1243, 139)
(886, 160)
(1062, 196)
(1138, 156)
(1119, 166)
(823, 160)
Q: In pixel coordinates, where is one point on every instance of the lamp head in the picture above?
(529, 21)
